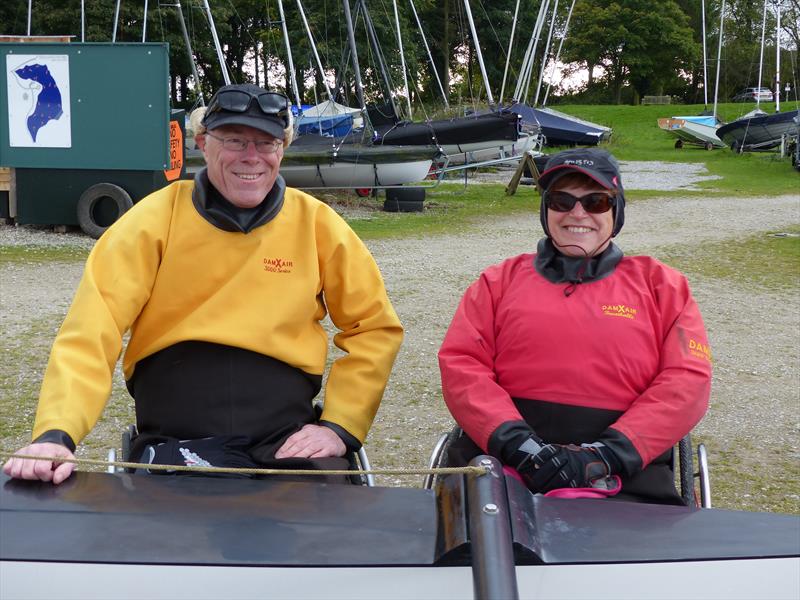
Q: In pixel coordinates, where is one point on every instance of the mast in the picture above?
(705, 72)
(521, 93)
(351, 38)
(428, 50)
(314, 49)
(719, 55)
(189, 51)
(221, 59)
(116, 19)
(83, 22)
(291, 74)
(478, 52)
(378, 54)
(761, 54)
(402, 59)
(558, 53)
(144, 24)
(30, 8)
(546, 53)
(510, 46)
(778, 57)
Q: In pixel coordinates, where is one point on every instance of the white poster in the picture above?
(39, 113)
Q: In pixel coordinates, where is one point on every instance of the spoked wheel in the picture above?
(363, 192)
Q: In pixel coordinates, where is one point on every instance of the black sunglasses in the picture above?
(271, 103)
(596, 202)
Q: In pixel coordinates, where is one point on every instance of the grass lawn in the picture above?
(449, 208)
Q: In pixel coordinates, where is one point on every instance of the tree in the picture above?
(635, 43)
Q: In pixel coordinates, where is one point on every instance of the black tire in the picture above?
(686, 470)
(408, 199)
(100, 206)
(678, 144)
(709, 146)
(736, 148)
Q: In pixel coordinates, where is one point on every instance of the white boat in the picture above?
(700, 130)
(123, 535)
(497, 151)
(314, 161)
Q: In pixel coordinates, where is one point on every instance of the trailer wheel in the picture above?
(678, 144)
(100, 206)
(709, 146)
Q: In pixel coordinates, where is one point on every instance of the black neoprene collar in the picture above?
(560, 268)
(218, 211)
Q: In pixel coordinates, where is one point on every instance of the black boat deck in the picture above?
(125, 518)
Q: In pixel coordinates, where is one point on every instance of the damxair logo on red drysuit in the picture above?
(619, 310)
(278, 265)
(699, 349)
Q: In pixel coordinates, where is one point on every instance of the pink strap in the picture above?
(602, 488)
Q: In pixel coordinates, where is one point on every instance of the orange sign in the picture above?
(175, 152)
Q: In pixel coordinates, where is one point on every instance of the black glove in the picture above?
(516, 444)
(558, 466)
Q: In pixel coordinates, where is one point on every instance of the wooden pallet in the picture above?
(5, 179)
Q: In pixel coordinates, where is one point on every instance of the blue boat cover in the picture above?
(336, 125)
(557, 130)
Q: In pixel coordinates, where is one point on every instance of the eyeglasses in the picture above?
(596, 202)
(271, 104)
(240, 144)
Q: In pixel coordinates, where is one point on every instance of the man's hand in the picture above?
(312, 441)
(43, 470)
(572, 466)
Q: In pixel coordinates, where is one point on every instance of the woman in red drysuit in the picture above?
(576, 363)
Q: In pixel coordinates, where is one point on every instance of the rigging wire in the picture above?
(558, 54)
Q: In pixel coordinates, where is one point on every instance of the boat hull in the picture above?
(338, 174)
(146, 536)
(561, 129)
(691, 132)
(761, 132)
(495, 150)
(723, 580)
(323, 163)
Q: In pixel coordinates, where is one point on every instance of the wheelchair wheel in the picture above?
(438, 457)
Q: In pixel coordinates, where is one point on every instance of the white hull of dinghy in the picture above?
(724, 579)
(354, 175)
(691, 133)
(490, 150)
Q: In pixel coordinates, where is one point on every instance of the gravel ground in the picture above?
(755, 404)
(636, 175)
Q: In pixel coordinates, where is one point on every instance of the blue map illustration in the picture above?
(48, 104)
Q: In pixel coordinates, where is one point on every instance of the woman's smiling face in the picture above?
(577, 232)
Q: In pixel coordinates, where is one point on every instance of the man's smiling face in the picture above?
(244, 178)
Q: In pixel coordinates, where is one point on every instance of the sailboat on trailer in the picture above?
(700, 130)
(757, 130)
(557, 128)
(314, 160)
(494, 136)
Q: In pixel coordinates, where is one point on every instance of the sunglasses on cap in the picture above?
(595, 202)
(271, 104)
